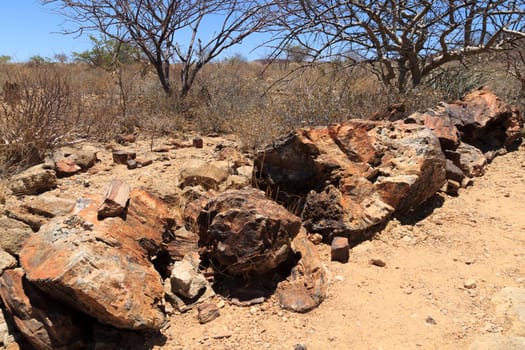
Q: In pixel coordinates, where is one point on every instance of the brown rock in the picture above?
(85, 158)
(307, 285)
(35, 180)
(340, 249)
(122, 157)
(126, 139)
(14, 233)
(354, 176)
(207, 312)
(470, 160)
(7, 261)
(485, 121)
(100, 267)
(66, 167)
(198, 142)
(48, 205)
(115, 199)
(32, 220)
(377, 262)
(45, 323)
(245, 233)
(183, 243)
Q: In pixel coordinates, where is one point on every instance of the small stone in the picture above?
(254, 310)
(198, 142)
(377, 262)
(339, 278)
(315, 238)
(207, 312)
(132, 164)
(221, 304)
(299, 347)
(340, 249)
(430, 320)
(469, 284)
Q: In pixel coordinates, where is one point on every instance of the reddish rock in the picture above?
(45, 323)
(102, 267)
(486, 121)
(245, 233)
(340, 249)
(66, 167)
(307, 286)
(198, 142)
(354, 176)
(115, 199)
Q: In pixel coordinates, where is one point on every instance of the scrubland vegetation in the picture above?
(48, 104)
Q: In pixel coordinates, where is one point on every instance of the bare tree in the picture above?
(169, 31)
(402, 40)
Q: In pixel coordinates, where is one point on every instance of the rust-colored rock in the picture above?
(245, 233)
(66, 167)
(307, 285)
(102, 267)
(115, 199)
(486, 121)
(340, 249)
(354, 176)
(44, 322)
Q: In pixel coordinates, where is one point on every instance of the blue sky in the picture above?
(27, 28)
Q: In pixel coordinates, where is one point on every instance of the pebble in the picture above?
(377, 262)
(469, 284)
(299, 347)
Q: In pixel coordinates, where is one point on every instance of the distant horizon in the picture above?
(30, 29)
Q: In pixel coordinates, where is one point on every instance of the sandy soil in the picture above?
(434, 292)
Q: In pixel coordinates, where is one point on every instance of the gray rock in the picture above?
(186, 280)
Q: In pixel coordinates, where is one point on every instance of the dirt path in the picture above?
(435, 291)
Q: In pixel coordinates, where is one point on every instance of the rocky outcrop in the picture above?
(245, 233)
(101, 267)
(44, 323)
(354, 176)
(473, 130)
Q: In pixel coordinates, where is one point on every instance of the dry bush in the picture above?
(36, 114)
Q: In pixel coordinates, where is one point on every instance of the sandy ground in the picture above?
(434, 292)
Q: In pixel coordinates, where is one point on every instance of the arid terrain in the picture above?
(443, 268)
